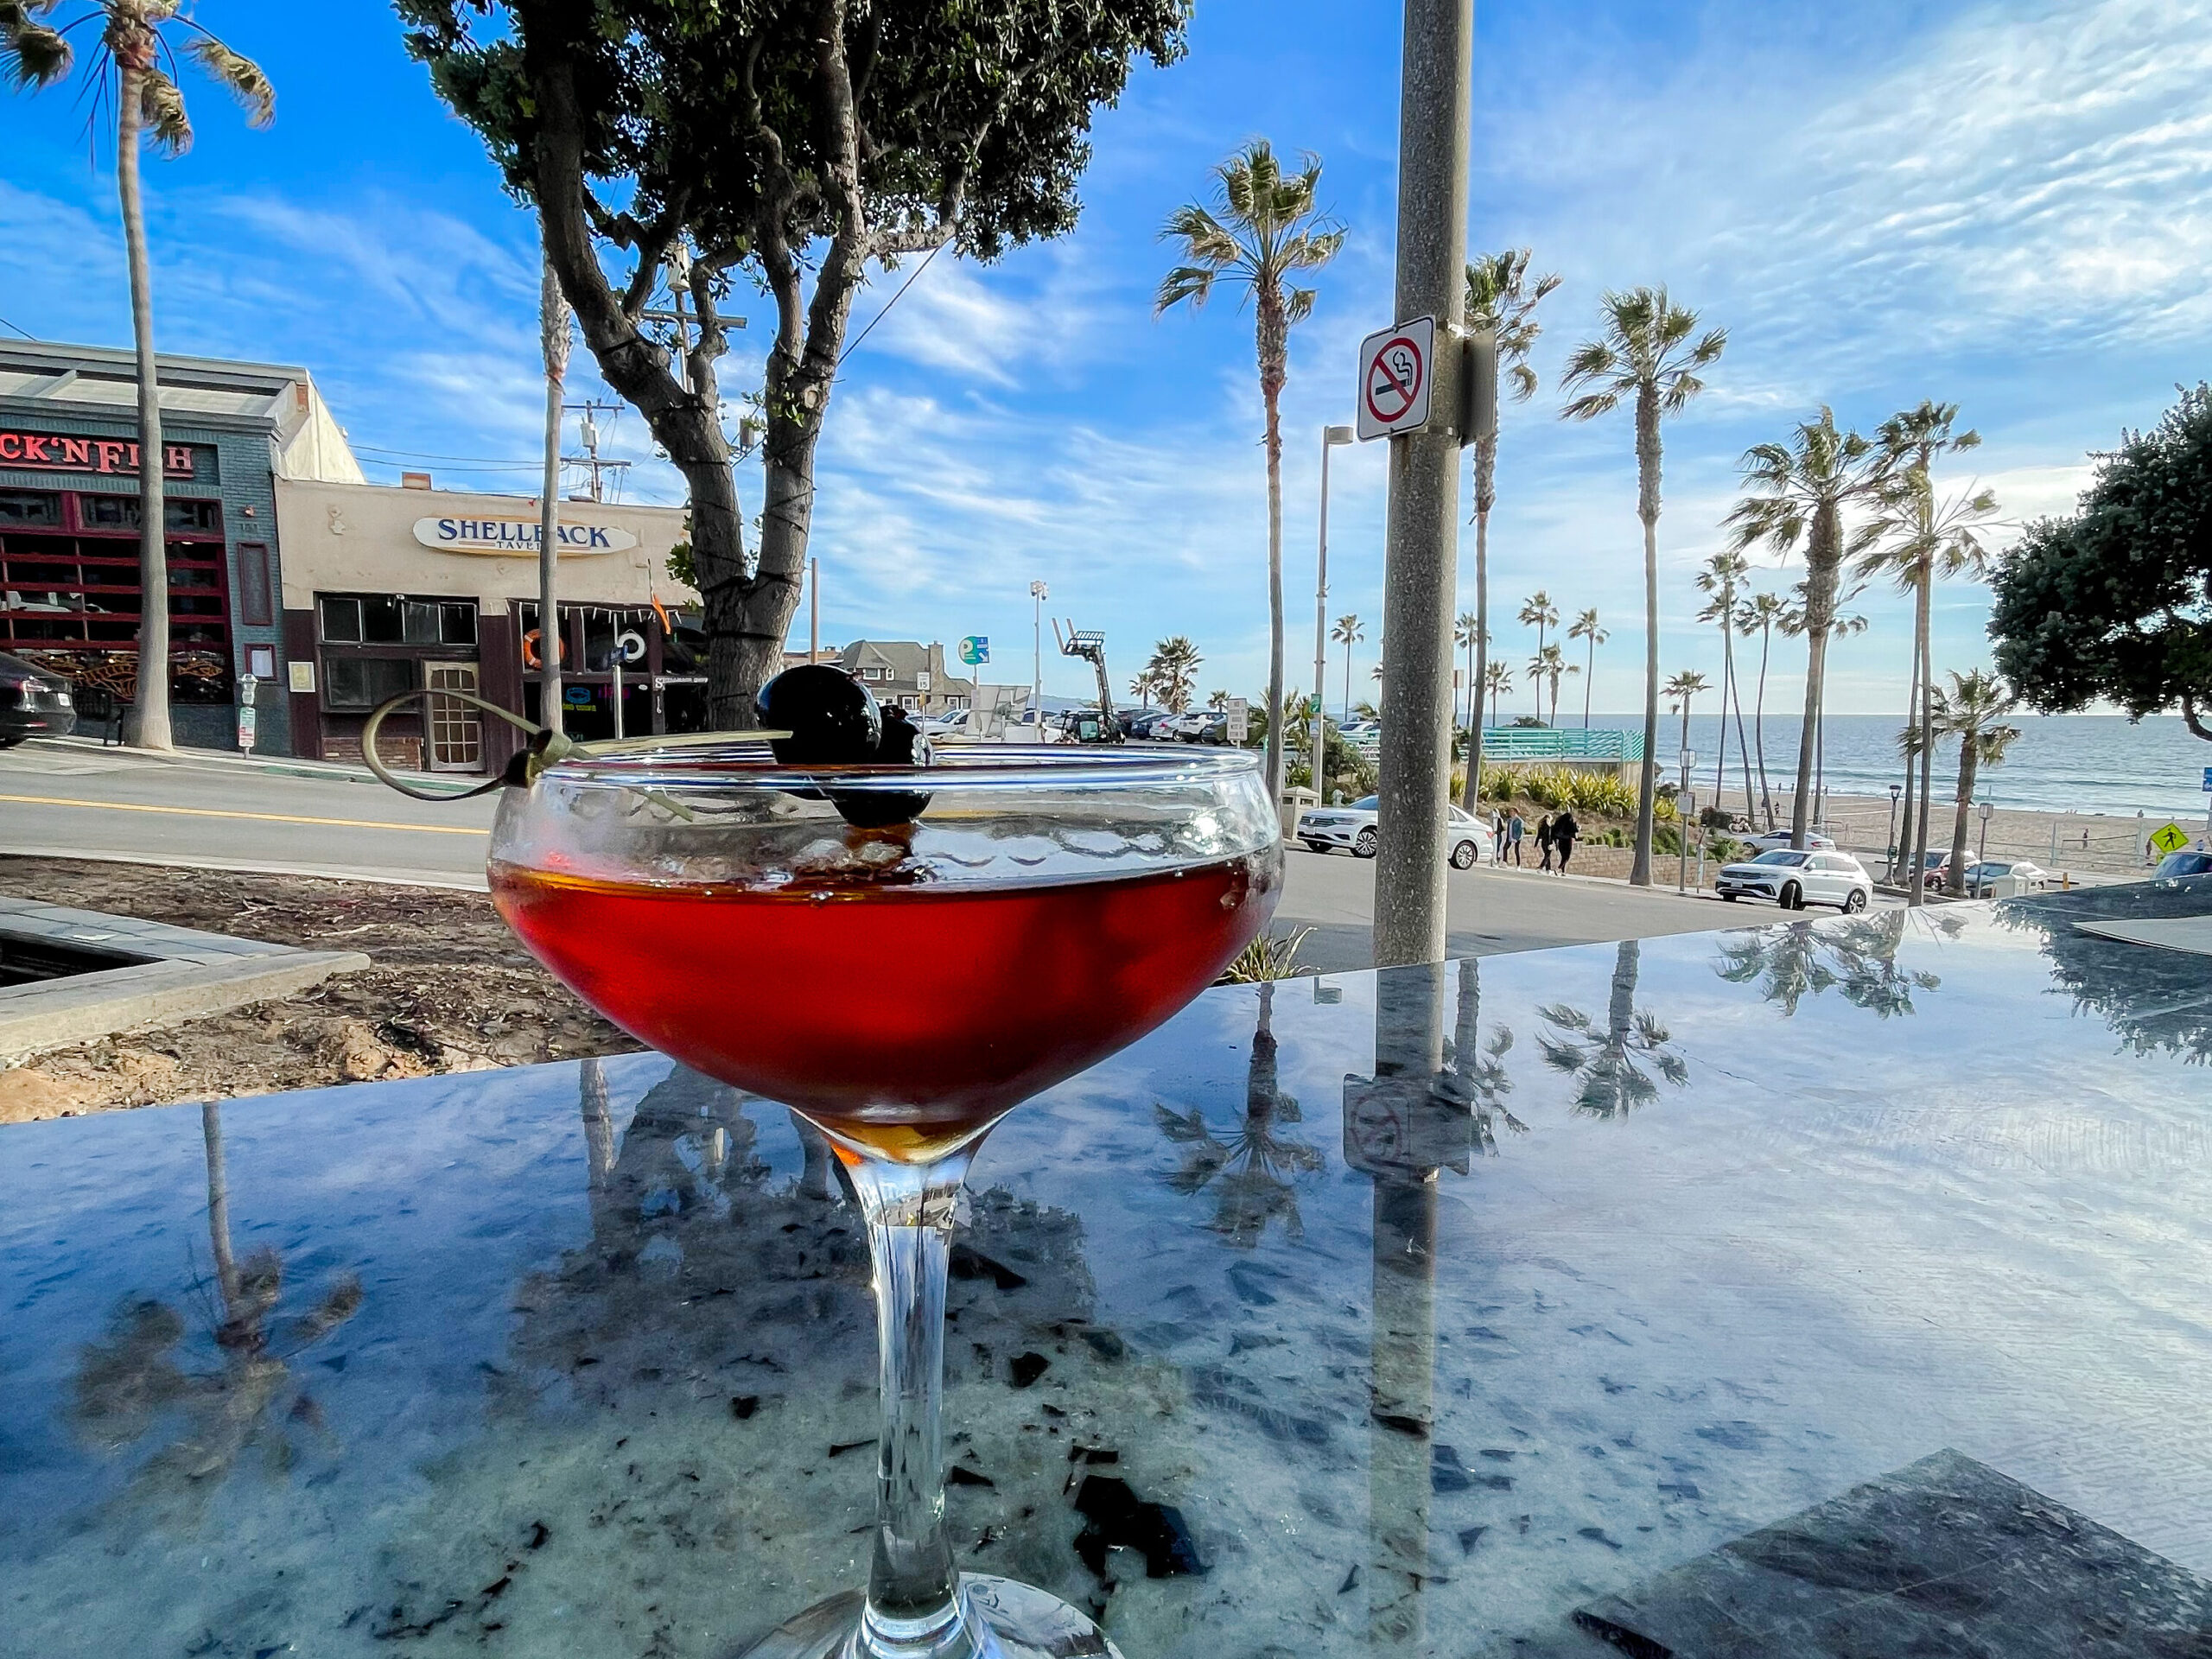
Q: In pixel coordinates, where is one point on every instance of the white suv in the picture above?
(1794, 879)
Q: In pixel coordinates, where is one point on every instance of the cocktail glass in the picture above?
(1052, 904)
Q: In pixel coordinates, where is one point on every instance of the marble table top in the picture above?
(1437, 1303)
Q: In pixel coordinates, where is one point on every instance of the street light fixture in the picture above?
(1981, 851)
(1896, 789)
(1038, 594)
(1332, 436)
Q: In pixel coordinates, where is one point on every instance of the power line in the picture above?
(421, 454)
(895, 300)
(25, 333)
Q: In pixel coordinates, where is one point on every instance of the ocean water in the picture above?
(2063, 763)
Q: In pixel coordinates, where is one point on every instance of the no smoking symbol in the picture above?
(1393, 377)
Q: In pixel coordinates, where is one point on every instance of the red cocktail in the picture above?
(902, 954)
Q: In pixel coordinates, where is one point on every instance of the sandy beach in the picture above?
(2097, 844)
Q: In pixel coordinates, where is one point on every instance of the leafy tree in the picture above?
(1644, 352)
(2116, 602)
(1722, 576)
(1972, 711)
(1174, 671)
(1264, 228)
(1347, 633)
(1550, 664)
(1538, 612)
(1799, 493)
(133, 64)
(1925, 538)
(693, 149)
(1842, 625)
(1680, 691)
(1499, 681)
(1585, 627)
(1467, 631)
(1501, 299)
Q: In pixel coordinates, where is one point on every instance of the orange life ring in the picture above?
(530, 658)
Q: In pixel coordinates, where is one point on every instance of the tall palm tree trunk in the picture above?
(147, 725)
(1809, 738)
(1589, 678)
(1926, 758)
(1904, 857)
(1647, 468)
(1272, 386)
(1969, 760)
(1758, 724)
(1347, 716)
(1743, 747)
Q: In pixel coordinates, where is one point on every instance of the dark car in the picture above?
(33, 703)
(2174, 866)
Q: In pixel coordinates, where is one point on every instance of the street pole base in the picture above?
(1009, 1621)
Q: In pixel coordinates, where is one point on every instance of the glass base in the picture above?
(1007, 1621)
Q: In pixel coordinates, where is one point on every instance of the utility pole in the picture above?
(814, 610)
(553, 334)
(588, 429)
(1421, 568)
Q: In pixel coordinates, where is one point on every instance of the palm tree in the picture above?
(1610, 1064)
(1466, 630)
(1497, 680)
(133, 62)
(1720, 579)
(1800, 492)
(1262, 1164)
(1478, 1078)
(1586, 628)
(1758, 614)
(1142, 688)
(1972, 711)
(1842, 625)
(1347, 633)
(1502, 300)
(1679, 690)
(1550, 664)
(1538, 612)
(1173, 671)
(1264, 229)
(1924, 539)
(1645, 353)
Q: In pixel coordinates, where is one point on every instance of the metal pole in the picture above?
(1038, 594)
(616, 665)
(1331, 437)
(814, 611)
(553, 328)
(1421, 566)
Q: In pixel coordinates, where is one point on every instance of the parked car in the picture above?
(1139, 723)
(33, 703)
(2187, 862)
(1360, 732)
(1325, 828)
(1982, 878)
(1776, 841)
(952, 723)
(1793, 879)
(1186, 728)
(1934, 870)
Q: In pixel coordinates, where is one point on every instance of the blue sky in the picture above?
(2003, 206)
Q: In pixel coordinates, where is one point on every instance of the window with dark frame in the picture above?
(254, 607)
(362, 683)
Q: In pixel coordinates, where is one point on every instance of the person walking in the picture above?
(1515, 829)
(1564, 830)
(1496, 836)
(1544, 841)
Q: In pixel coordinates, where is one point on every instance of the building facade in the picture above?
(70, 598)
(908, 673)
(390, 590)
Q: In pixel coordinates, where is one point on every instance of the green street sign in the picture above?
(976, 649)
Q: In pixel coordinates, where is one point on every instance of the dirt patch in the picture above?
(450, 990)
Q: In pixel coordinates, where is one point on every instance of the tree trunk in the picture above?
(1822, 554)
(1273, 371)
(1902, 857)
(1647, 468)
(1589, 678)
(1478, 667)
(1759, 725)
(1969, 755)
(1743, 749)
(1927, 759)
(147, 724)
(553, 325)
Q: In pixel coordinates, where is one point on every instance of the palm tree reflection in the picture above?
(1857, 957)
(247, 1402)
(1620, 1067)
(1253, 1173)
(1479, 1076)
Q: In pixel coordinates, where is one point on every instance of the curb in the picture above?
(281, 765)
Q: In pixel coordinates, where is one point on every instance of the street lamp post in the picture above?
(1896, 789)
(1331, 438)
(1981, 850)
(1038, 594)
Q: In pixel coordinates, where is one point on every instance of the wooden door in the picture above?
(456, 730)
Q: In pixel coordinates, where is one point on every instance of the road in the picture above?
(65, 800)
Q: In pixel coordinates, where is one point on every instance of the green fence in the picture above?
(1514, 743)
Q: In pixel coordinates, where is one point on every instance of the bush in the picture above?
(1555, 787)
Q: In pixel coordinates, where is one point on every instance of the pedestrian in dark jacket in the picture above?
(1544, 841)
(1516, 828)
(1564, 832)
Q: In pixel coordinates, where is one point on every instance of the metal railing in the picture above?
(1514, 743)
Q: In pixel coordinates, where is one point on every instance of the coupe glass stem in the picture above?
(915, 1608)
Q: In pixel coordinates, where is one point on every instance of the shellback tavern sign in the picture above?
(517, 538)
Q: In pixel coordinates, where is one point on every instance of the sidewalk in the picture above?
(275, 764)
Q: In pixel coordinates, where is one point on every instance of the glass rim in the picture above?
(743, 763)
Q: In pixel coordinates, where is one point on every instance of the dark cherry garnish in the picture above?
(835, 721)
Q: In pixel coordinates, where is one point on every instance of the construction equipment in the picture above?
(1091, 645)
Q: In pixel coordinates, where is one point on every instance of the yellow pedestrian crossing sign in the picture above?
(2171, 839)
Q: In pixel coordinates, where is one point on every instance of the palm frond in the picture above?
(160, 108)
(240, 74)
(1192, 282)
(31, 53)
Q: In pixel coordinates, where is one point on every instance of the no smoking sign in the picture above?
(1395, 375)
